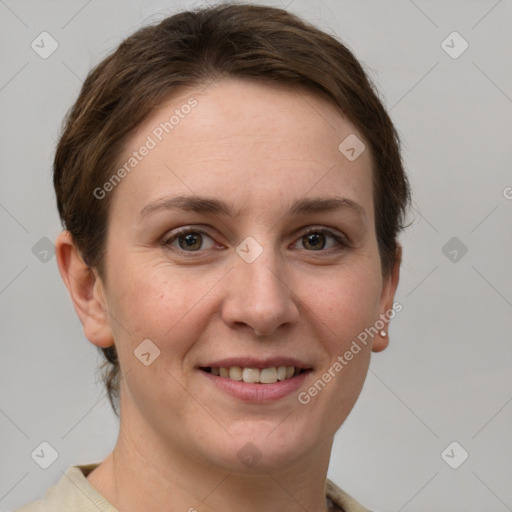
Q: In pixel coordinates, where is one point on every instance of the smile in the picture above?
(256, 380)
(269, 375)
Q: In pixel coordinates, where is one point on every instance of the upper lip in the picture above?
(252, 362)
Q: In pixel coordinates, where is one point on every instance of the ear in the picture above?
(389, 287)
(86, 290)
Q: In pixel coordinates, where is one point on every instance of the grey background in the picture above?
(447, 373)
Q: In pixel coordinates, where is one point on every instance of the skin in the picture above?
(259, 147)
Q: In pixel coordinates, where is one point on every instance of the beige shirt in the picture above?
(74, 493)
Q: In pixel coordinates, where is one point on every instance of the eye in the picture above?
(317, 239)
(190, 240)
(194, 240)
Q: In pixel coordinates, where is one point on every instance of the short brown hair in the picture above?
(192, 48)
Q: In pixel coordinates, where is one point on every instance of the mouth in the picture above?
(256, 380)
(250, 375)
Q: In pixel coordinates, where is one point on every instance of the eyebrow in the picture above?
(215, 206)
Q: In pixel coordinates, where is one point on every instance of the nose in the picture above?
(258, 298)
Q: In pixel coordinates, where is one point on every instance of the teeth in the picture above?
(235, 373)
(268, 375)
(255, 375)
(251, 375)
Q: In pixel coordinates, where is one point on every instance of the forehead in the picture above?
(240, 139)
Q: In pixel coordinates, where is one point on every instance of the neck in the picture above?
(142, 473)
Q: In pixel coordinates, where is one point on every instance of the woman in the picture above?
(231, 190)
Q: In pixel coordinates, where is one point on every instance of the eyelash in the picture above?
(341, 240)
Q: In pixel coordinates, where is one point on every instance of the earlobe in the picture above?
(86, 291)
(381, 340)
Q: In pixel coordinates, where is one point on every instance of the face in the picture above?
(242, 239)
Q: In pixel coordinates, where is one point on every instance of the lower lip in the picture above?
(257, 392)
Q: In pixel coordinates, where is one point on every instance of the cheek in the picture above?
(159, 301)
(345, 308)
(156, 303)
(349, 303)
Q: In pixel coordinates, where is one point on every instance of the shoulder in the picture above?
(340, 498)
(71, 492)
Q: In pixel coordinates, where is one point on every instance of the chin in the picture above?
(260, 448)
